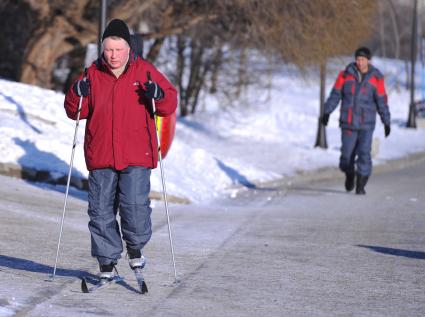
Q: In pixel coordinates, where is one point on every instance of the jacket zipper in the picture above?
(356, 93)
(113, 126)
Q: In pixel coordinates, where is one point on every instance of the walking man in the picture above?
(362, 91)
(120, 145)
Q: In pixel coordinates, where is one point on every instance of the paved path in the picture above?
(309, 249)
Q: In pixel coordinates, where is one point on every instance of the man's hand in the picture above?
(153, 91)
(387, 130)
(325, 119)
(82, 88)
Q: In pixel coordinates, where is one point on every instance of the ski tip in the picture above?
(144, 289)
(84, 287)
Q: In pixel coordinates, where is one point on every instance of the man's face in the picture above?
(362, 64)
(116, 52)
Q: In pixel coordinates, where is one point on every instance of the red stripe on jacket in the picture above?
(350, 115)
(379, 84)
(339, 81)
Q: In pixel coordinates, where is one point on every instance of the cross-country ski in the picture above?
(140, 281)
(98, 284)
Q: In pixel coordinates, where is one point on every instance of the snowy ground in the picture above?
(309, 249)
(267, 137)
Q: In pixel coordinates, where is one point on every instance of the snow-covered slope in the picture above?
(270, 136)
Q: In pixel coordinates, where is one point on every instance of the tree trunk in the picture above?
(43, 50)
(181, 45)
(394, 22)
(198, 87)
(241, 72)
(195, 69)
(321, 130)
(155, 50)
(381, 28)
(216, 64)
(61, 29)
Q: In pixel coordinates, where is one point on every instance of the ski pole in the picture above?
(74, 144)
(164, 189)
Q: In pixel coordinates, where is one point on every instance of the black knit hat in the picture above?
(363, 51)
(117, 28)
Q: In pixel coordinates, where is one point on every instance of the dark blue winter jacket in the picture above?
(361, 99)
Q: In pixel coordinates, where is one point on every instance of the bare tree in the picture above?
(303, 32)
(395, 24)
(211, 39)
(63, 26)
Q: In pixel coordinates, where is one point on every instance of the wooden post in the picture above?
(321, 129)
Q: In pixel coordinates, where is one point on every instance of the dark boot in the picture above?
(133, 253)
(361, 183)
(106, 272)
(349, 181)
(135, 259)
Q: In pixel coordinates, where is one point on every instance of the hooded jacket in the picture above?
(362, 97)
(120, 128)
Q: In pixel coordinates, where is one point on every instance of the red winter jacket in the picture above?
(120, 131)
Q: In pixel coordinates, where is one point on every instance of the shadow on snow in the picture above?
(45, 177)
(234, 175)
(397, 252)
(31, 266)
(21, 112)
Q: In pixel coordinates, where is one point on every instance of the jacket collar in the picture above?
(353, 70)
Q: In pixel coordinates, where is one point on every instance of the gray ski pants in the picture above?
(127, 191)
(356, 150)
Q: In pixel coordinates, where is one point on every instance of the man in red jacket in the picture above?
(120, 145)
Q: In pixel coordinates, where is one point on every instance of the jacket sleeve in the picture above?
(168, 105)
(381, 100)
(72, 102)
(336, 94)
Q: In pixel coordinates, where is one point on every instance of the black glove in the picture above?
(387, 130)
(82, 88)
(152, 90)
(325, 119)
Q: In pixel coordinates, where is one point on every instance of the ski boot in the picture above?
(106, 273)
(106, 277)
(137, 262)
(135, 259)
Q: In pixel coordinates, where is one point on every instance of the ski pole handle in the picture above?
(82, 86)
(148, 74)
(85, 79)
